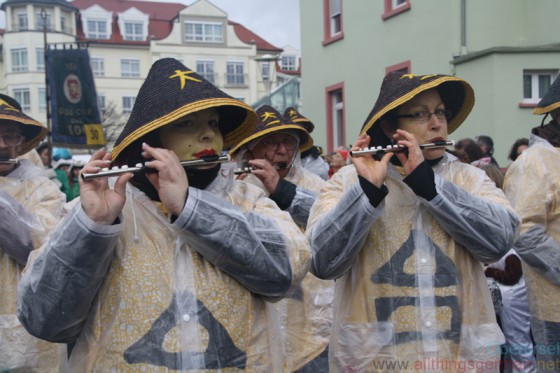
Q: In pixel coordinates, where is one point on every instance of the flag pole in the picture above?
(47, 98)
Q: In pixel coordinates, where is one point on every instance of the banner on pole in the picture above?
(75, 119)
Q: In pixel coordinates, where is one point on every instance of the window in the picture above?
(19, 60)
(22, 96)
(206, 32)
(134, 31)
(394, 7)
(403, 68)
(22, 22)
(206, 70)
(128, 104)
(265, 71)
(536, 84)
(130, 68)
(289, 63)
(42, 100)
(97, 29)
(39, 22)
(335, 116)
(62, 23)
(235, 74)
(40, 59)
(101, 103)
(332, 20)
(97, 66)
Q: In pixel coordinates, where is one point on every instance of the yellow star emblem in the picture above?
(269, 115)
(409, 76)
(8, 106)
(293, 113)
(184, 76)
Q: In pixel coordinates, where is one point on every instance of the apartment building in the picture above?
(508, 50)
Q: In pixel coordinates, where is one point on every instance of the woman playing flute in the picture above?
(170, 270)
(405, 234)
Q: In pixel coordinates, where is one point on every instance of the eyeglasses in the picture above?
(425, 115)
(11, 139)
(271, 145)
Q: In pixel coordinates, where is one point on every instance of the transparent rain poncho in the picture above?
(163, 304)
(532, 185)
(306, 314)
(30, 206)
(411, 292)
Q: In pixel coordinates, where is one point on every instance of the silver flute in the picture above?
(398, 148)
(141, 167)
(249, 169)
(9, 161)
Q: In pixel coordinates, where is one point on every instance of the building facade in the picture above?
(507, 49)
(124, 38)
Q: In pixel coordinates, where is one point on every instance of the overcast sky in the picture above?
(276, 21)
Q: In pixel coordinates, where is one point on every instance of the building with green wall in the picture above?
(509, 50)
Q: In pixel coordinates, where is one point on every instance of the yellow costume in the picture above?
(30, 200)
(532, 185)
(408, 293)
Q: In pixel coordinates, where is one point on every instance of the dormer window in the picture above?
(96, 22)
(133, 31)
(134, 24)
(97, 29)
(204, 32)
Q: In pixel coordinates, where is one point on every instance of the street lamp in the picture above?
(266, 62)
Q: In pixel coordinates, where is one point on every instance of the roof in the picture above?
(550, 48)
(161, 17)
(161, 22)
(62, 3)
(249, 37)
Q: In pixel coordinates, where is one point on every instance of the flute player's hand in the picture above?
(170, 181)
(101, 203)
(370, 169)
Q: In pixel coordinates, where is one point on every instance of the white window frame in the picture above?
(128, 104)
(289, 62)
(98, 33)
(20, 59)
(337, 112)
(39, 21)
(130, 68)
(535, 84)
(265, 71)
(97, 66)
(23, 96)
(40, 58)
(209, 32)
(398, 3)
(42, 99)
(97, 14)
(207, 65)
(232, 78)
(335, 17)
(136, 33)
(102, 103)
(22, 17)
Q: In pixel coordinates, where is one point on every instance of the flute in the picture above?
(248, 170)
(141, 167)
(398, 148)
(9, 161)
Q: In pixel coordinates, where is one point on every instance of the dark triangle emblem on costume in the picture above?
(220, 353)
(393, 273)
